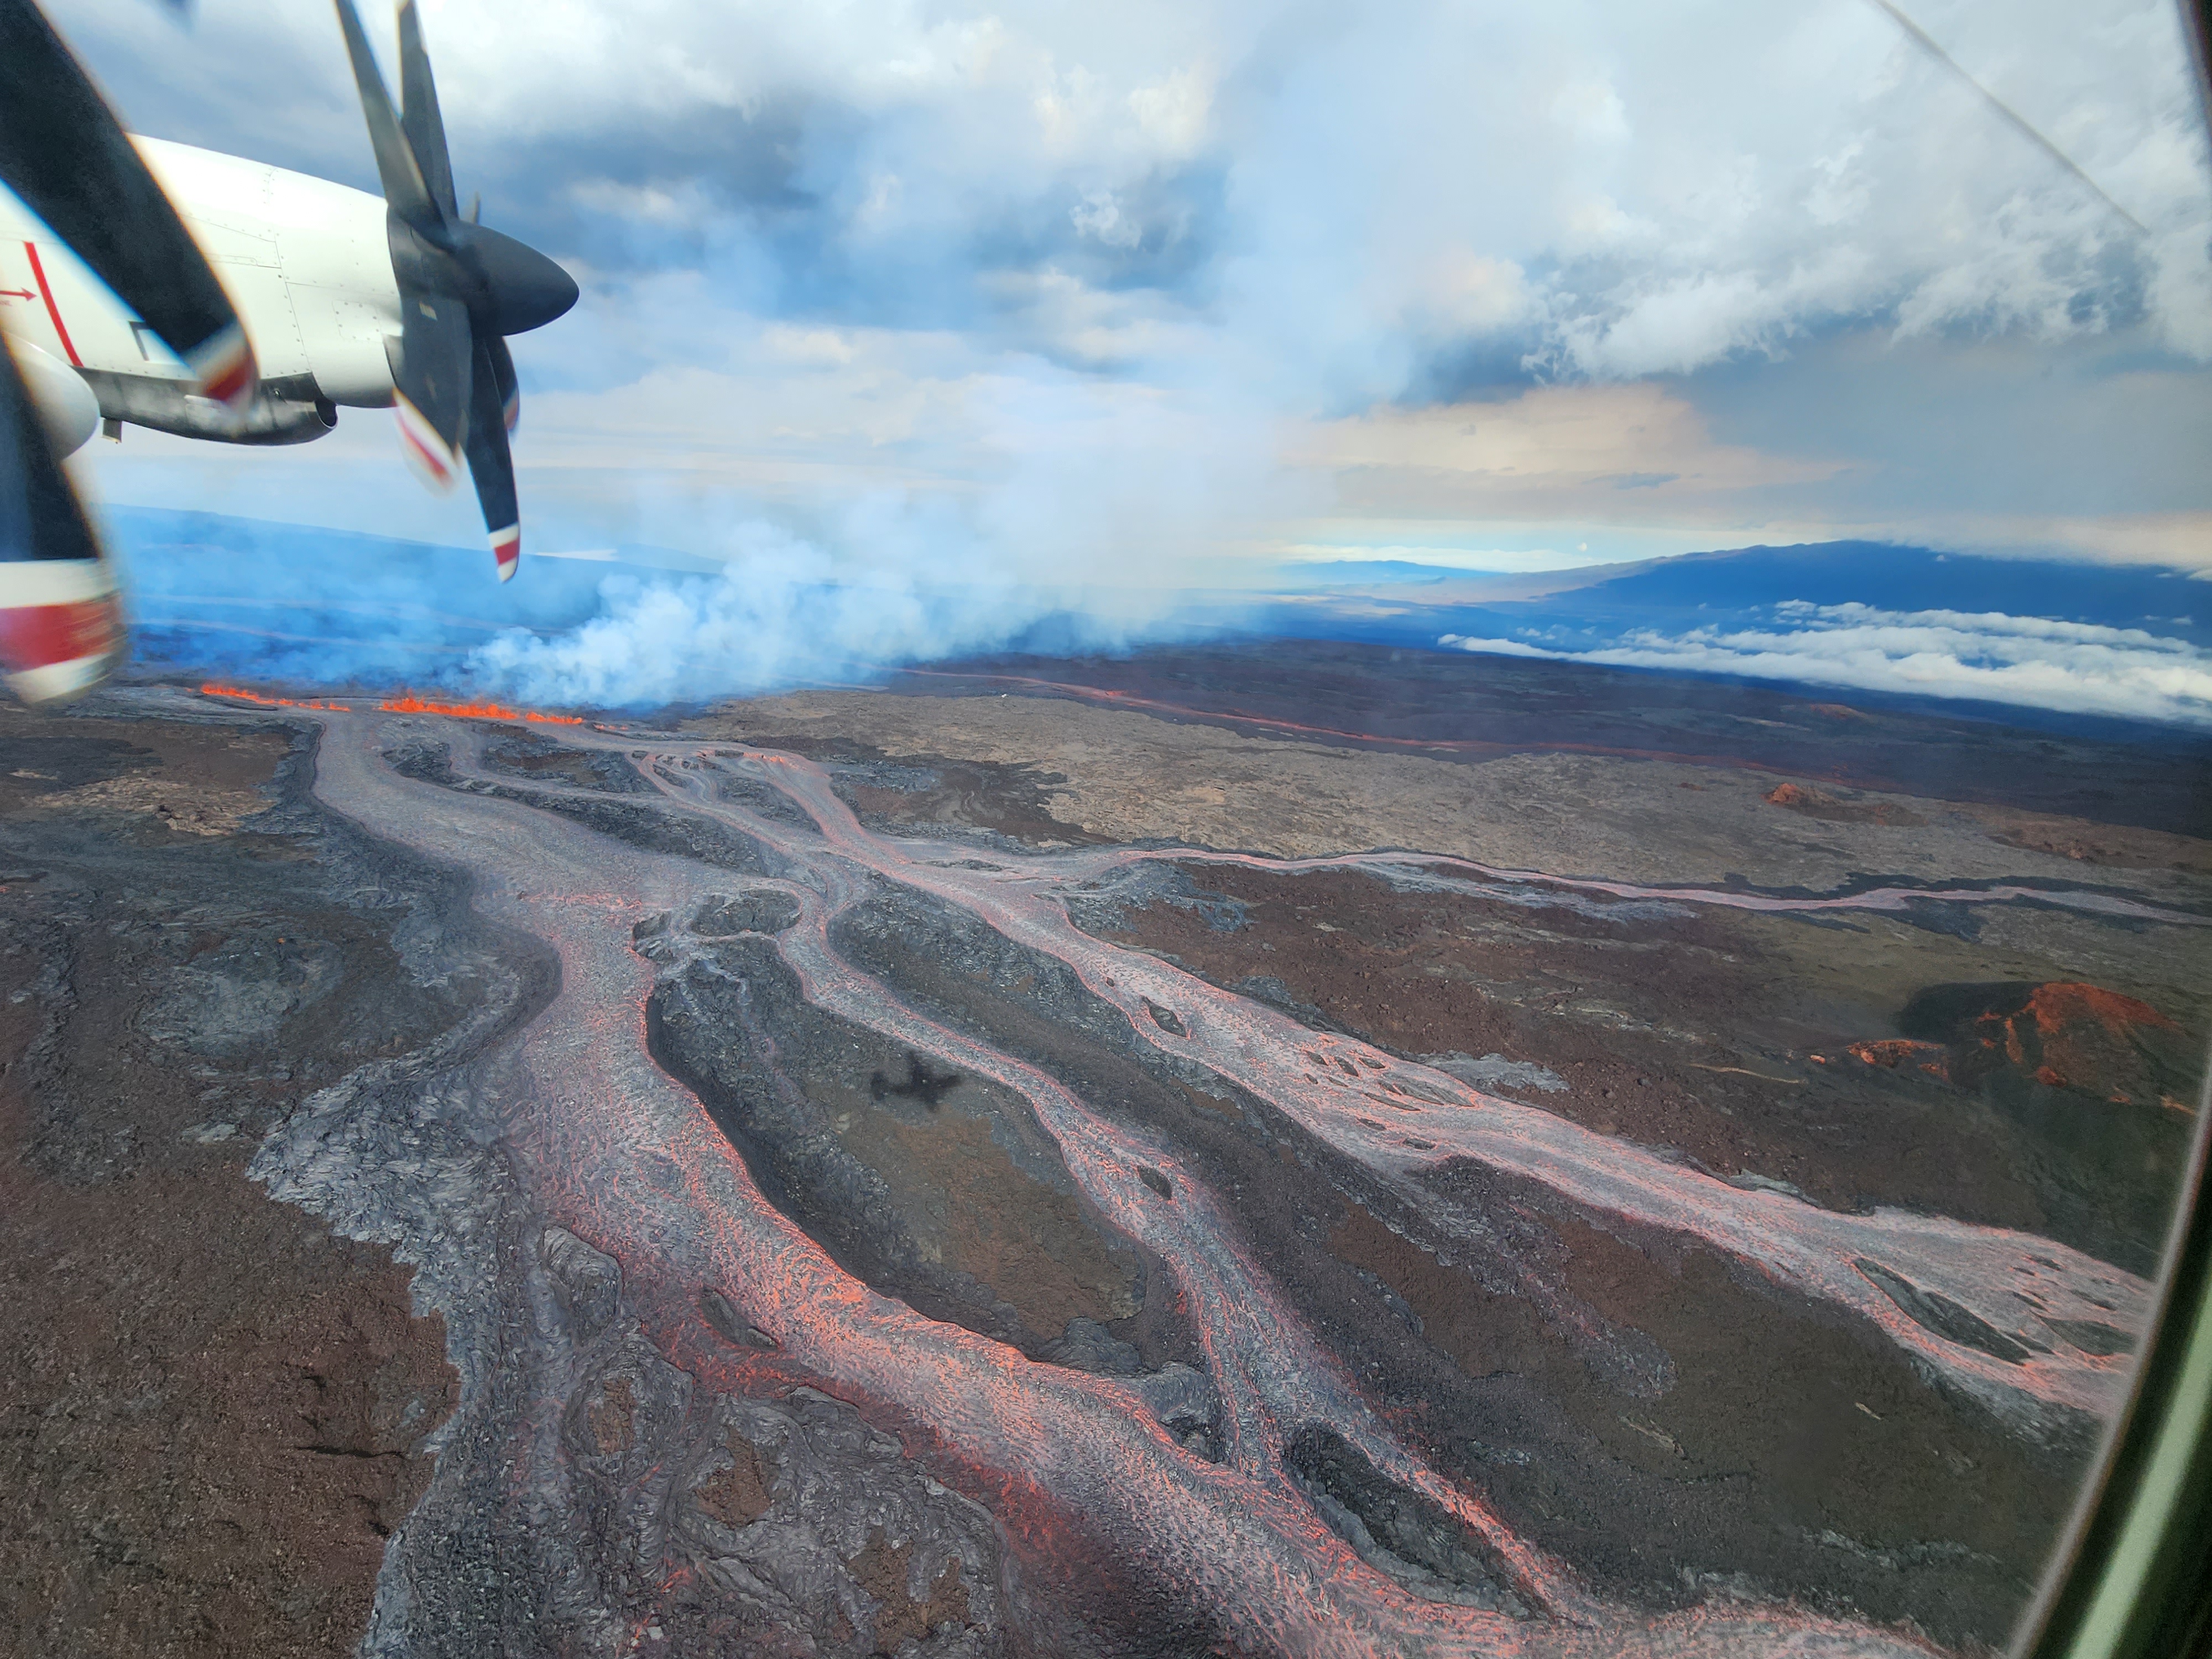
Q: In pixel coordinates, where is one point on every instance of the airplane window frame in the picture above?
(2132, 1577)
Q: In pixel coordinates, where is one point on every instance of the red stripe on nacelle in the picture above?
(53, 311)
(39, 635)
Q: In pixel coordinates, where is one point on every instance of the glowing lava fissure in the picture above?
(239, 694)
(631, 1159)
(411, 704)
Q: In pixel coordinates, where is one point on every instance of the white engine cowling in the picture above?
(65, 403)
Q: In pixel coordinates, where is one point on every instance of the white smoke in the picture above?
(784, 614)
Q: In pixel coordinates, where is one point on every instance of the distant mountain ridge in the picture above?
(2067, 640)
(207, 594)
(2161, 597)
(1885, 576)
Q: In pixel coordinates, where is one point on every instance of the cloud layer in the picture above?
(1992, 656)
(1041, 299)
(1346, 203)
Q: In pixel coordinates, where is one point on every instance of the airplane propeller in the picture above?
(67, 159)
(462, 288)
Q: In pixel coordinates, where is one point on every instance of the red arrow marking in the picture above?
(53, 311)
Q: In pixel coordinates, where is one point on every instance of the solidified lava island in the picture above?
(1065, 1160)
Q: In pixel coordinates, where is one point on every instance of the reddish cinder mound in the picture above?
(2082, 1037)
(1809, 802)
(2062, 1034)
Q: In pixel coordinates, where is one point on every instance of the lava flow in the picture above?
(239, 694)
(618, 1153)
(411, 704)
(1400, 1118)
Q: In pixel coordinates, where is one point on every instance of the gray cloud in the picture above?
(1096, 293)
(1344, 198)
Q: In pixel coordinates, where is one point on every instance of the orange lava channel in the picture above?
(211, 690)
(411, 704)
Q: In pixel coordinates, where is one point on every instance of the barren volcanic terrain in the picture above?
(1034, 1171)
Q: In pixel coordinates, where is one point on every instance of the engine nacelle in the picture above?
(290, 410)
(66, 405)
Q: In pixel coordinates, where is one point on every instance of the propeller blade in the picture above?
(491, 463)
(404, 191)
(475, 205)
(502, 371)
(418, 113)
(60, 623)
(430, 379)
(64, 154)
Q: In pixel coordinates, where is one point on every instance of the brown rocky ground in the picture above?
(1043, 770)
(917, 794)
(1386, 699)
(1821, 1441)
(211, 1410)
(1726, 1035)
(2117, 846)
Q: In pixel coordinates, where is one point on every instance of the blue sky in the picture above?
(1147, 295)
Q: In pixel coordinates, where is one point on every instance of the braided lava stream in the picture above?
(617, 1151)
(1398, 1118)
